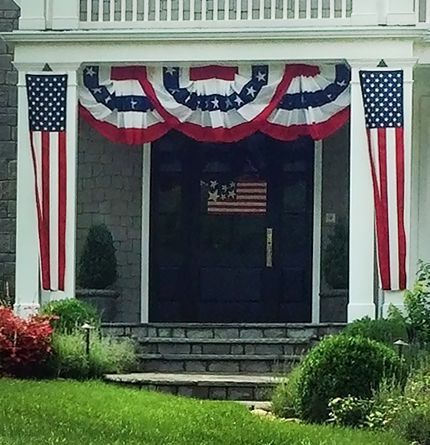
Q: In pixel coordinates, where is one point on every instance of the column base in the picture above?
(26, 310)
(393, 298)
(357, 311)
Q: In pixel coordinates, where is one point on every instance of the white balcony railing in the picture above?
(144, 14)
(115, 12)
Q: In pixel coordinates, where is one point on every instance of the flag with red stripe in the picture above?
(384, 112)
(244, 197)
(47, 97)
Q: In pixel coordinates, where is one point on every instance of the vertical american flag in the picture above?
(384, 111)
(245, 197)
(47, 97)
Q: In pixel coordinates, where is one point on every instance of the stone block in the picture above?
(250, 349)
(218, 393)
(196, 349)
(223, 366)
(301, 333)
(221, 349)
(174, 348)
(251, 333)
(241, 393)
(226, 332)
(186, 391)
(12, 77)
(265, 349)
(11, 170)
(169, 389)
(199, 333)
(5, 59)
(5, 244)
(3, 209)
(201, 392)
(195, 366)
(164, 332)
(237, 349)
(255, 366)
(163, 366)
(275, 333)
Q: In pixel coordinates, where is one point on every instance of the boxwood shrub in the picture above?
(342, 366)
(71, 314)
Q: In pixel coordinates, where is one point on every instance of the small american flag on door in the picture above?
(241, 197)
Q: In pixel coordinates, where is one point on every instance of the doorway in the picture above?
(231, 230)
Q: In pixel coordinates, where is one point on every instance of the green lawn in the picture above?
(65, 412)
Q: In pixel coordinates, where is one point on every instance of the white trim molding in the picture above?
(146, 223)
(316, 263)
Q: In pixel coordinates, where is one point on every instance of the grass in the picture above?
(93, 413)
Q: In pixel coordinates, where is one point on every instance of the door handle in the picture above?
(269, 247)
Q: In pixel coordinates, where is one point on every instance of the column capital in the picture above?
(405, 62)
(65, 67)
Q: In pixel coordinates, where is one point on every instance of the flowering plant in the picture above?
(24, 344)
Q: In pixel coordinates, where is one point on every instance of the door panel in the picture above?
(210, 267)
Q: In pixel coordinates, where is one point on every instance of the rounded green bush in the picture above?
(342, 366)
(71, 313)
(383, 330)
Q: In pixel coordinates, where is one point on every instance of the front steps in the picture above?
(203, 386)
(217, 361)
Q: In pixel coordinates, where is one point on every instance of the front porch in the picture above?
(119, 185)
(102, 175)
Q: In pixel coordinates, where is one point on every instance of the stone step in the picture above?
(204, 386)
(218, 363)
(223, 330)
(234, 346)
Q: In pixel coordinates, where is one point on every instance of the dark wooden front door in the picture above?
(220, 268)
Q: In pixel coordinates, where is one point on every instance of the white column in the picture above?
(407, 65)
(146, 221)
(65, 14)
(361, 214)
(316, 268)
(72, 160)
(32, 14)
(27, 244)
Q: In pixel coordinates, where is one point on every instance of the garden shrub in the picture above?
(383, 330)
(98, 264)
(349, 411)
(284, 399)
(417, 304)
(71, 314)
(25, 345)
(413, 423)
(106, 355)
(342, 366)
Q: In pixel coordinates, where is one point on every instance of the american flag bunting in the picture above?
(384, 113)
(47, 97)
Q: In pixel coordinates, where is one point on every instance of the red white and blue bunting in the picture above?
(217, 103)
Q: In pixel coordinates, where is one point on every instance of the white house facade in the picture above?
(179, 260)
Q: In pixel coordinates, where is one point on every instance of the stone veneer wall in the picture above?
(335, 199)
(110, 192)
(9, 14)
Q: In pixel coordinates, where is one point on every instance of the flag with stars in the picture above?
(242, 197)
(215, 103)
(47, 98)
(384, 114)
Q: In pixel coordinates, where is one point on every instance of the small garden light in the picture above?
(87, 328)
(400, 345)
